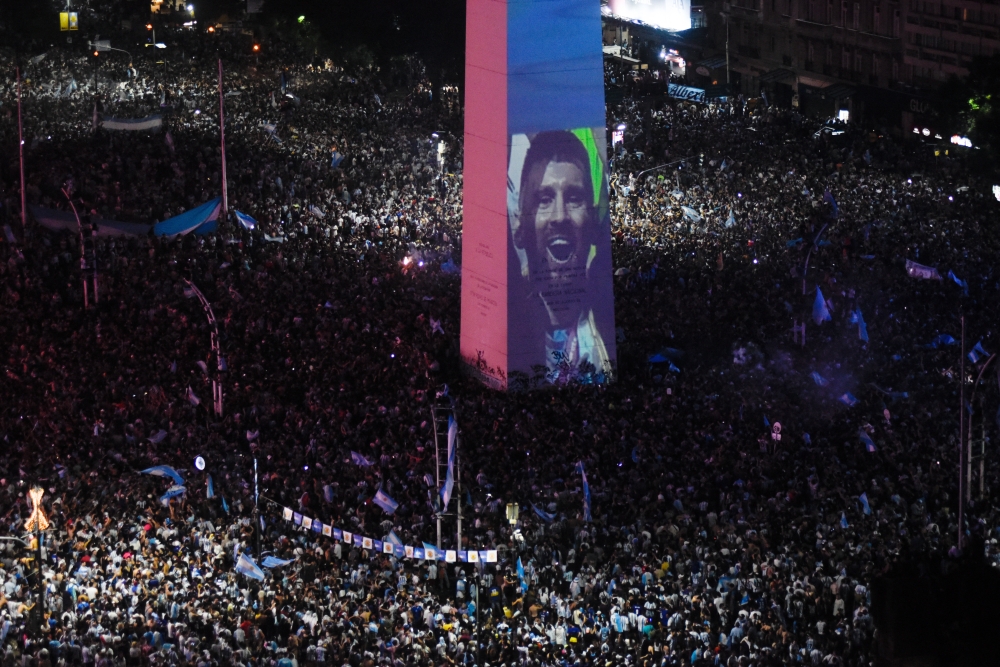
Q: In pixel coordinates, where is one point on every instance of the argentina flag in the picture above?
(245, 565)
(383, 500)
(245, 220)
(449, 480)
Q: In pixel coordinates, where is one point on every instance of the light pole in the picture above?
(214, 333)
(83, 260)
(961, 442)
(20, 148)
(968, 436)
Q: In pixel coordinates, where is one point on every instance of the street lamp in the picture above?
(512, 513)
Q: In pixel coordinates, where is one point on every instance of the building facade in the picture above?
(876, 58)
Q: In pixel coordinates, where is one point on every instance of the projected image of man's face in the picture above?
(562, 218)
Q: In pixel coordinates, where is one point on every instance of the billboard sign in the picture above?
(666, 14)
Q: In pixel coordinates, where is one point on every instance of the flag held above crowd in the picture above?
(915, 270)
(245, 565)
(820, 311)
(200, 220)
(383, 500)
(164, 471)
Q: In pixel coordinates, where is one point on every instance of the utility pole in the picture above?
(83, 259)
(961, 443)
(213, 328)
(458, 492)
(222, 135)
(20, 148)
(256, 507)
(437, 471)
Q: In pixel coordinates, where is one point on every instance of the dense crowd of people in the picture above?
(712, 540)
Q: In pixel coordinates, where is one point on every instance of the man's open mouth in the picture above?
(560, 249)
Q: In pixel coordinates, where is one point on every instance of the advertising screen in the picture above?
(666, 14)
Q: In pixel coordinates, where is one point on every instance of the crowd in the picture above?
(712, 540)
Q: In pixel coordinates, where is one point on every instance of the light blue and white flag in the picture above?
(961, 283)
(211, 487)
(521, 577)
(245, 220)
(977, 353)
(848, 399)
(691, 214)
(359, 459)
(164, 471)
(383, 500)
(940, 340)
(819, 379)
(586, 492)
(864, 503)
(245, 565)
(393, 539)
(547, 516)
(858, 318)
(172, 492)
(328, 493)
(225, 505)
(867, 440)
(449, 480)
(272, 562)
(820, 312)
(915, 270)
(843, 521)
(133, 124)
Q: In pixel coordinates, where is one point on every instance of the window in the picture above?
(857, 61)
(845, 59)
(874, 65)
(877, 20)
(829, 11)
(895, 23)
(812, 52)
(856, 18)
(843, 13)
(895, 70)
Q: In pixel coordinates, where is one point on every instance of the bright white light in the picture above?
(843, 115)
(161, 45)
(961, 141)
(926, 132)
(199, 463)
(190, 8)
(996, 192)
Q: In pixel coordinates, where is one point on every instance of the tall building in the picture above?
(875, 58)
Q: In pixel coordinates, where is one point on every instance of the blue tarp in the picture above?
(201, 220)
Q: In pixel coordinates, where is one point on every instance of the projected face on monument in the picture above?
(557, 208)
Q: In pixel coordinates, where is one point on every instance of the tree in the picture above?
(971, 106)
